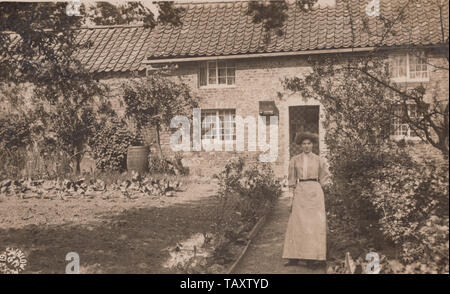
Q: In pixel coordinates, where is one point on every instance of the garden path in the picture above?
(264, 253)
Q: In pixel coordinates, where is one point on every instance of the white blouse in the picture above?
(309, 166)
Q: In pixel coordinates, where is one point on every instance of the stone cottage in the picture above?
(237, 68)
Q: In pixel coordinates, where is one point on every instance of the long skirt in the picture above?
(306, 231)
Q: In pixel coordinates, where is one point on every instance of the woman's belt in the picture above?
(307, 180)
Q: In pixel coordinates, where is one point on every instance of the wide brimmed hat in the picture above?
(300, 137)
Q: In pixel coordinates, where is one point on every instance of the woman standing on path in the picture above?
(306, 231)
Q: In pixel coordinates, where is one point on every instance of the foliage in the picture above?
(40, 51)
(168, 165)
(255, 184)
(413, 203)
(44, 54)
(382, 197)
(273, 14)
(14, 132)
(246, 193)
(12, 162)
(51, 37)
(15, 135)
(105, 13)
(109, 144)
(46, 51)
(155, 100)
(369, 75)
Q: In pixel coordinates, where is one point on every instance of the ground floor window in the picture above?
(400, 129)
(219, 122)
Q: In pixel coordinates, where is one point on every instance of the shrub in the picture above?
(161, 164)
(255, 184)
(385, 193)
(14, 132)
(110, 143)
(246, 193)
(15, 136)
(413, 203)
(155, 100)
(380, 194)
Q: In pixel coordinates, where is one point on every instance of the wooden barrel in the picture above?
(137, 158)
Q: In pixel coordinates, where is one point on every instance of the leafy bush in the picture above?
(14, 132)
(385, 194)
(255, 184)
(155, 100)
(15, 136)
(413, 203)
(110, 143)
(162, 164)
(382, 197)
(246, 192)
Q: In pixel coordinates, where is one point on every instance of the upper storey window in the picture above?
(409, 67)
(217, 74)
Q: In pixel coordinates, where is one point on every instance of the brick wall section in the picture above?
(257, 79)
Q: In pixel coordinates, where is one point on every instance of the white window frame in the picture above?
(407, 78)
(223, 126)
(217, 85)
(410, 136)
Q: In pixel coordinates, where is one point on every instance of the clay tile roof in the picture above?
(114, 48)
(214, 29)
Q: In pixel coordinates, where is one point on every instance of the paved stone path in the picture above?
(264, 253)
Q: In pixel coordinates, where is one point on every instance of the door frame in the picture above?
(296, 100)
(316, 108)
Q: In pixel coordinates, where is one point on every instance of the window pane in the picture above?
(404, 130)
(212, 65)
(412, 63)
(222, 76)
(398, 66)
(228, 126)
(210, 125)
(402, 66)
(230, 71)
(212, 74)
(222, 72)
(412, 111)
(399, 125)
(202, 75)
(418, 66)
(212, 80)
(222, 64)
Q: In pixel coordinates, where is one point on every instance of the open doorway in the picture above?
(302, 119)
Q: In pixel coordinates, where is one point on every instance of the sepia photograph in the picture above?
(224, 137)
